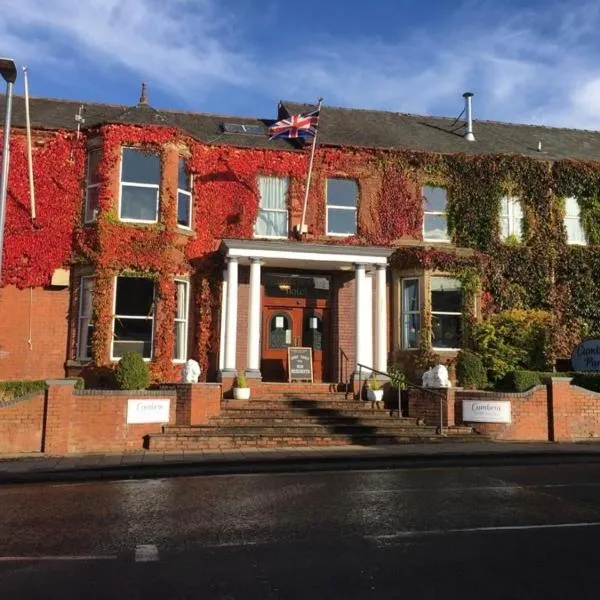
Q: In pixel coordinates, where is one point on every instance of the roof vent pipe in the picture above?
(469, 124)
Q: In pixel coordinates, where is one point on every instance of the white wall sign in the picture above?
(486, 411)
(148, 410)
(586, 356)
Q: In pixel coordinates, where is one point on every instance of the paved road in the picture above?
(486, 533)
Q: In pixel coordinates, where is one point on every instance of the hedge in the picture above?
(521, 381)
(10, 390)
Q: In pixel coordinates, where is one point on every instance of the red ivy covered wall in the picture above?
(225, 205)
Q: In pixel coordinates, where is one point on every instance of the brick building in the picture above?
(179, 235)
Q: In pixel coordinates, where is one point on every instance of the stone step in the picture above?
(371, 420)
(303, 396)
(171, 442)
(275, 404)
(299, 430)
(282, 412)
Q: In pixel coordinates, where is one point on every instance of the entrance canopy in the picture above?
(298, 323)
(288, 254)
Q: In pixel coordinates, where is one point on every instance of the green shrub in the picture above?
(9, 390)
(513, 340)
(240, 380)
(589, 381)
(398, 379)
(373, 383)
(519, 381)
(470, 371)
(132, 372)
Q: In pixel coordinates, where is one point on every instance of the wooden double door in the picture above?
(291, 324)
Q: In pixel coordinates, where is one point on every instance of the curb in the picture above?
(300, 464)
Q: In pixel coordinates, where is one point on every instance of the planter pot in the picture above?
(241, 393)
(374, 395)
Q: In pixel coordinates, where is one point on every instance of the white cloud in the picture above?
(163, 41)
(523, 65)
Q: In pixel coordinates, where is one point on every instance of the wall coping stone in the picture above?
(150, 393)
(508, 395)
(70, 382)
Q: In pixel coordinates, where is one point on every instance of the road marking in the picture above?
(52, 558)
(146, 553)
(432, 532)
(511, 487)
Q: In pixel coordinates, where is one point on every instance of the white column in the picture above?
(381, 321)
(361, 342)
(223, 322)
(253, 356)
(232, 306)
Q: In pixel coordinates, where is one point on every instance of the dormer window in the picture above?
(140, 183)
(511, 218)
(575, 232)
(435, 223)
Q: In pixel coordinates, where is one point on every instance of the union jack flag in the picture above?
(302, 125)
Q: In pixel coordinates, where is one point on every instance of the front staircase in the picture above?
(283, 418)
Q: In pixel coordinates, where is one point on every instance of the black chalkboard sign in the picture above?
(300, 364)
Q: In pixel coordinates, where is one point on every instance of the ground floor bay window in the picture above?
(432, 304)
(133, 317)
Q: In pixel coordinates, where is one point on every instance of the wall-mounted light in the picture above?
(284, 287)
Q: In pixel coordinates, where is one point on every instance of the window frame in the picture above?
(444, 213)
(88, 187)
(510, 217)
(115, 317)
(274, 210)
(443, 313)
(188, 193)
(81, 318)
(404, 312)
(139, 185)
(339, 207)
(185, 320)
(571, 217)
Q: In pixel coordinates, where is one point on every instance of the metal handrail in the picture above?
(345, 379)
(409, 384)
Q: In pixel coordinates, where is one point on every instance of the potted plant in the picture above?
(374, 389)
(399, 383)
(241, 389)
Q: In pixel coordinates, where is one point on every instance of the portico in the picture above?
(280, 294)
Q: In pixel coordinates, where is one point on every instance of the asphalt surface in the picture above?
(493, 532)
(37, 468)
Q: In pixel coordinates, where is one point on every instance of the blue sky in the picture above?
(527, 61)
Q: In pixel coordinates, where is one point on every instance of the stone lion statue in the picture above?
(436, 377)
(190, 372)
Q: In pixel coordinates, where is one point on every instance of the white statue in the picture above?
(437, 377)
(191, 371)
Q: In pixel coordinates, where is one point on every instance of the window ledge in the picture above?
(79, 363)
(187, 231)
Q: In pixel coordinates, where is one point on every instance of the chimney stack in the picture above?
(469, 116)
(143, 95)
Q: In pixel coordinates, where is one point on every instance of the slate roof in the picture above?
(338, 126)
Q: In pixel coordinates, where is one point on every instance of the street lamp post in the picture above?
(8, 70)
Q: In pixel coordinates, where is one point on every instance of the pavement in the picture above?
(42, 468)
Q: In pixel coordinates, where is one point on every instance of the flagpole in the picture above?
(310, 166)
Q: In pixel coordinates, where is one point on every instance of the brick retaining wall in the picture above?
(558, 411)
(64, 421)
